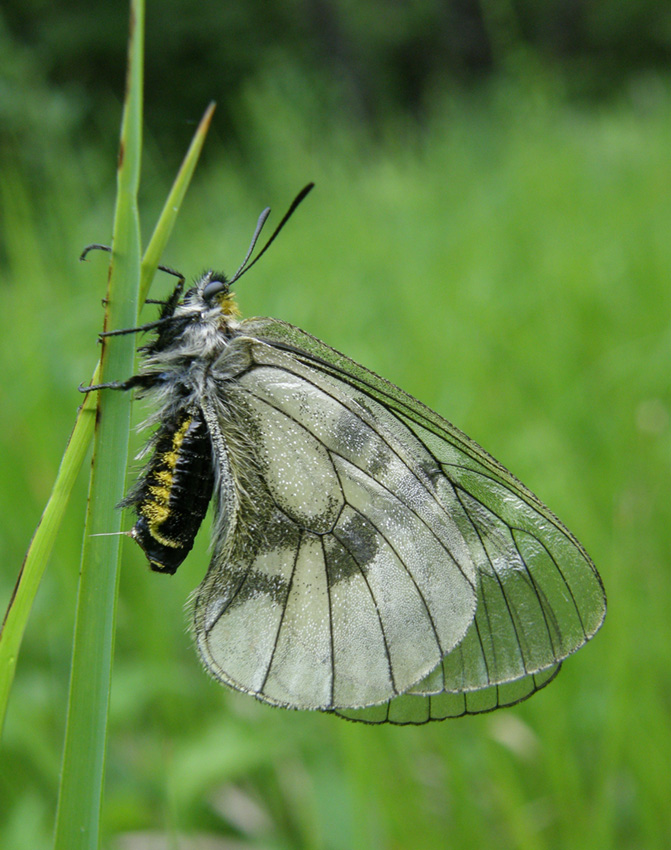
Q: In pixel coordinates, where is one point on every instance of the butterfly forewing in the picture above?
(486, 565)
(376, 584)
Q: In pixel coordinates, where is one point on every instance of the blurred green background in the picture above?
(490, 230)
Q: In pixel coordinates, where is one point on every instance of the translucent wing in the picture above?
(385, 560)
(417, 707)
(345, 581)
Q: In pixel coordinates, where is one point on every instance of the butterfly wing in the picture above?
(390, 561)
(345, 581)
(416, 707)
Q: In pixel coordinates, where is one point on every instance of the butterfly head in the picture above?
(208, 299)
(214, 290)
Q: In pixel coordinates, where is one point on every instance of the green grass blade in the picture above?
(166, 221)
(80, 797)
(43, 540)
(34, 563)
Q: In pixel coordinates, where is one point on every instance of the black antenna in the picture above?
(245, 267)
(257, 232)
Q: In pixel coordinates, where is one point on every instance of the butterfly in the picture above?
(368, 558)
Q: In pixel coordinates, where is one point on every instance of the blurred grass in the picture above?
(510, 267)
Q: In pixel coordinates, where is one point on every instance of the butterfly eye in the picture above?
(214, 287)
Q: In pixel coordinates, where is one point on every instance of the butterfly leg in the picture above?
(132, 382)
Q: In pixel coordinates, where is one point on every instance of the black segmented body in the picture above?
(172, 496)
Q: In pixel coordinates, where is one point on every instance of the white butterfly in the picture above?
(369, 559)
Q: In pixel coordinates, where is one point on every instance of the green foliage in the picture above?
(63, 63)
(80, 793)
(508, 266)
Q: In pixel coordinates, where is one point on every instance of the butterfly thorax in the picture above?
(194, 333)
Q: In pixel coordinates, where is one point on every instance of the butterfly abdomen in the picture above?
(174, 492)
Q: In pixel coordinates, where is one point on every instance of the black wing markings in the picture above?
(400, 560)
(355, 409)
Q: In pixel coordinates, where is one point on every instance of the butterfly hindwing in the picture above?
(416, 708)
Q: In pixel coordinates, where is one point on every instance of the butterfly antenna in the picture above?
(257, 232)
(246, 266)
